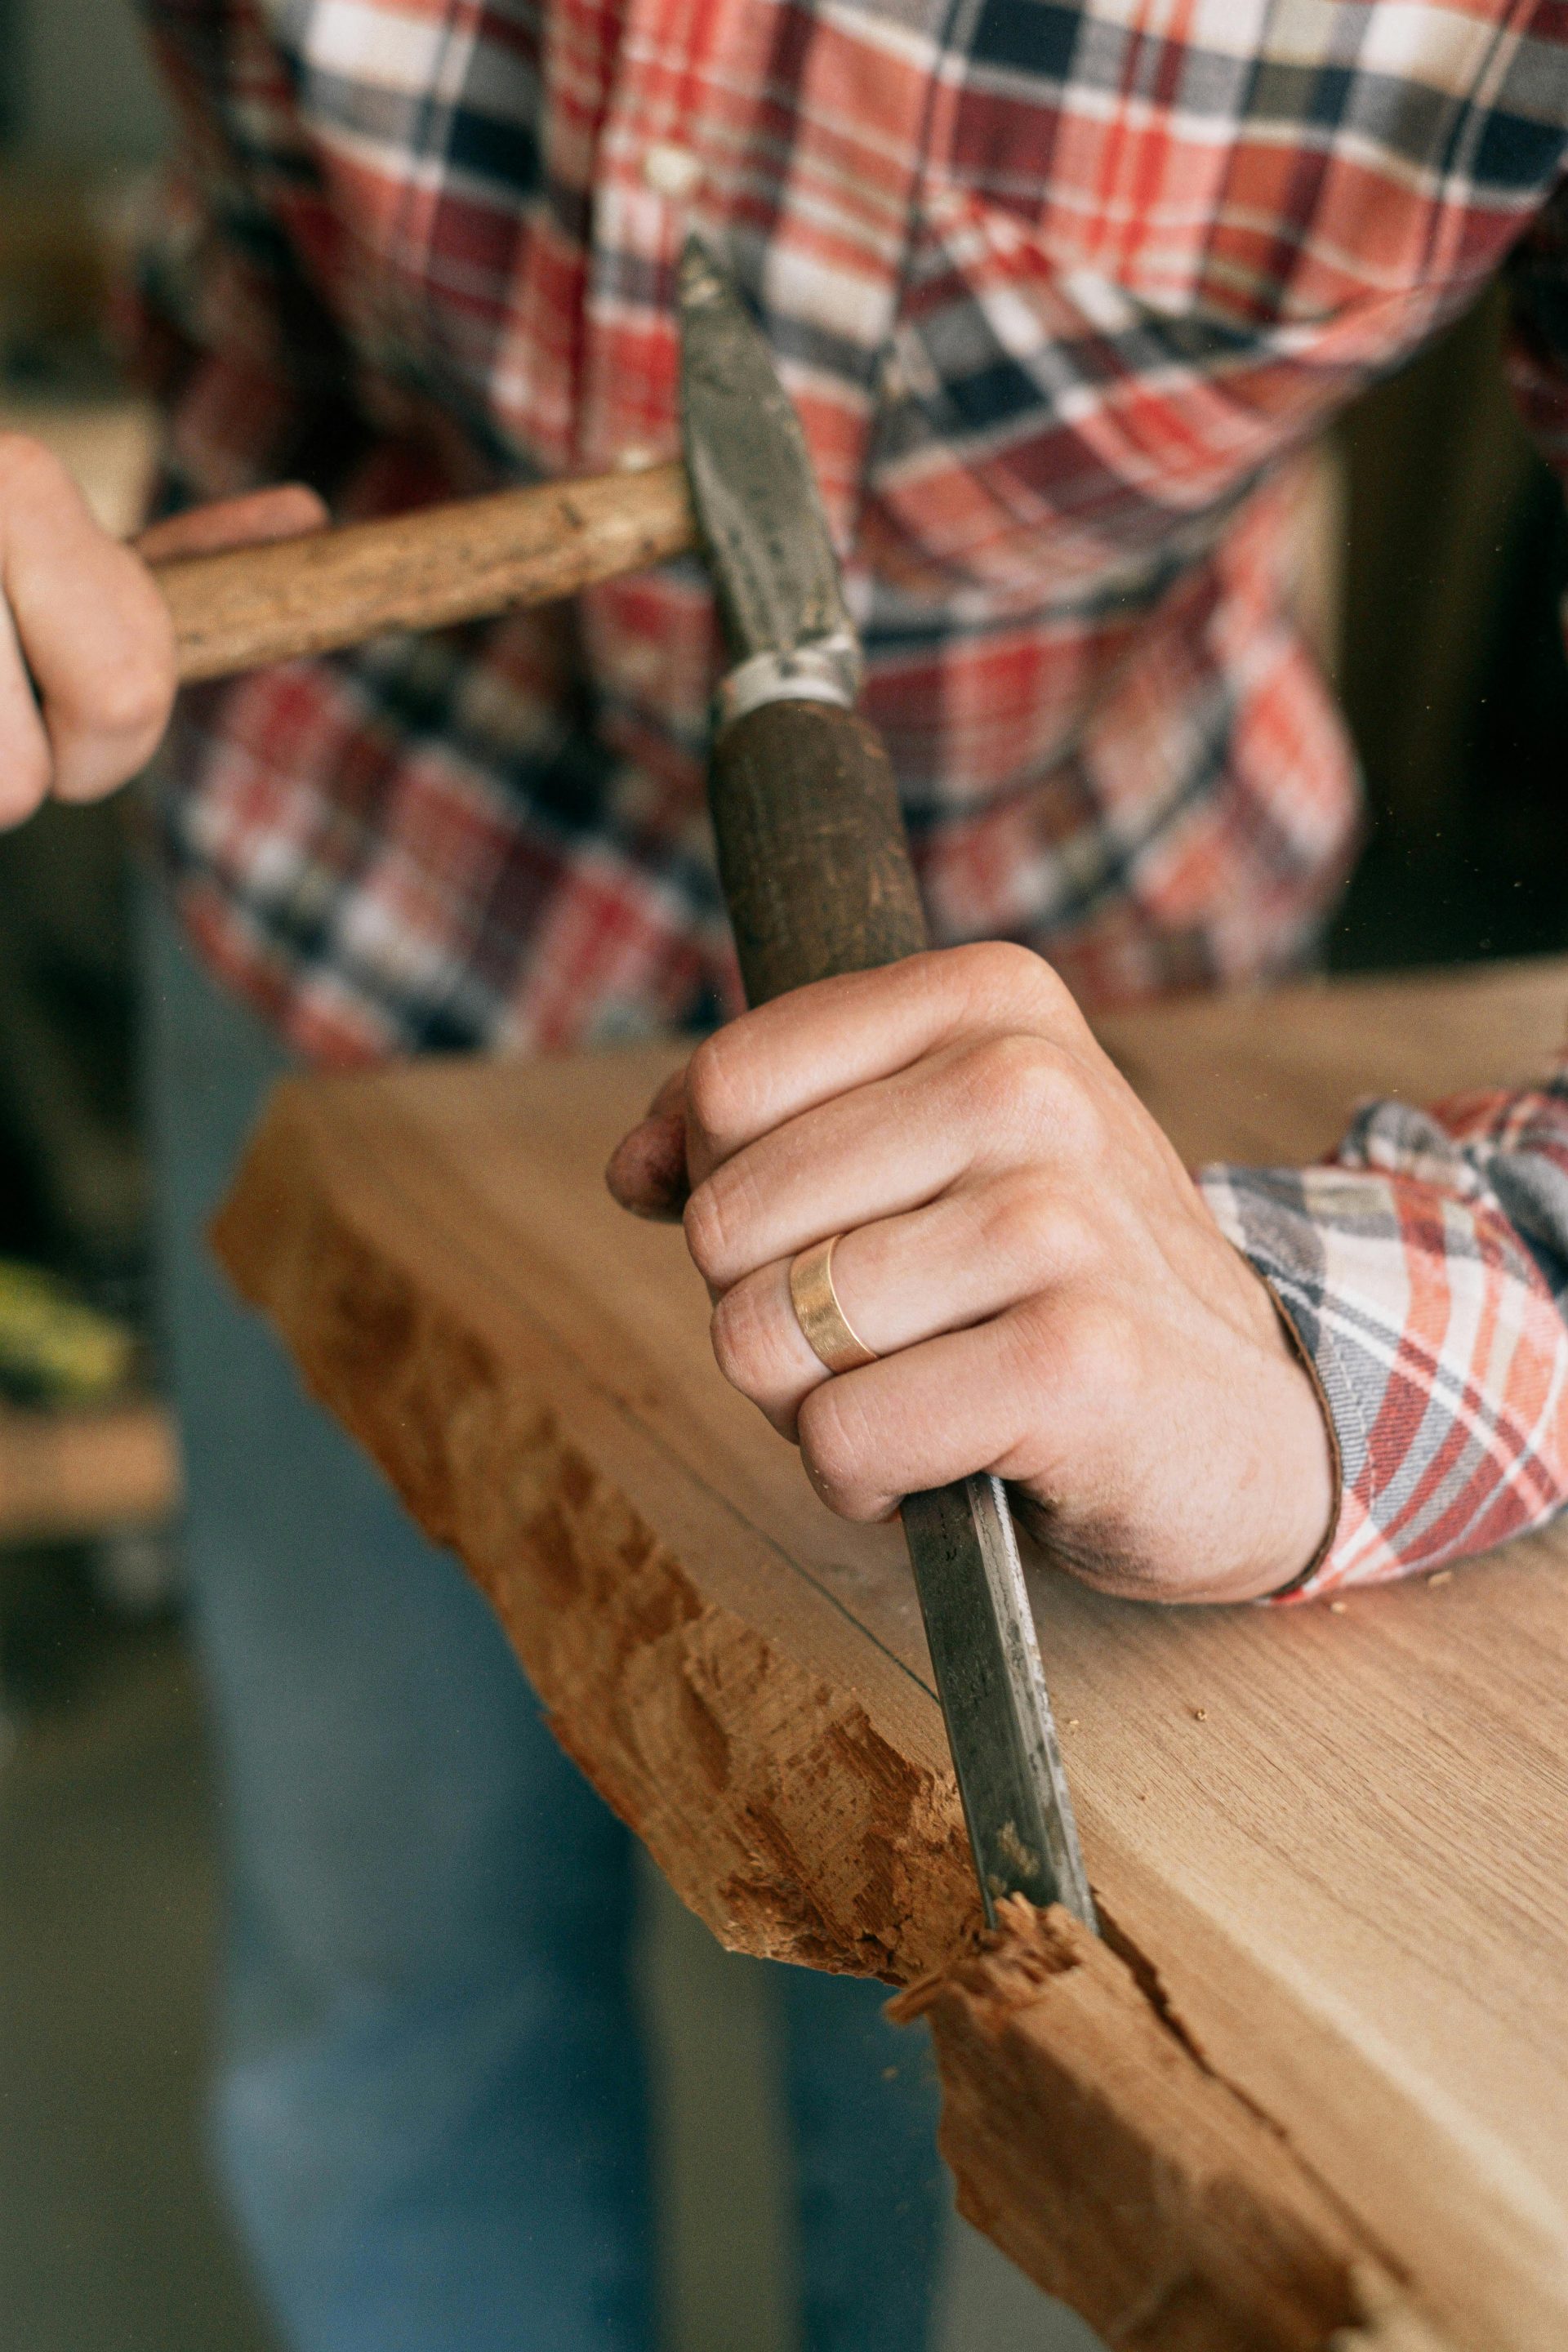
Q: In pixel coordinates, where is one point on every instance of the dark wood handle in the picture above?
(811, 849)
(465, 562)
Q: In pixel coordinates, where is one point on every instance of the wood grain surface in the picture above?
(1330, 1847)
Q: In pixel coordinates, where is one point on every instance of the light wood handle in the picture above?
(249, 606)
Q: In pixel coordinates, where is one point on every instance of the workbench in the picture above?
(1313, 2090)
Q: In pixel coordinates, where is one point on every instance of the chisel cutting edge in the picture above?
(816, 872)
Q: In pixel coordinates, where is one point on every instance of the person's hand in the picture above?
(87, 649)
(1046, 1290)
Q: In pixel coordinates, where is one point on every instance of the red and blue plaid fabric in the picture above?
(1426, 1272)
(1060, 288)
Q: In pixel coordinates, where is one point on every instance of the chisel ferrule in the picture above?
(825, 670)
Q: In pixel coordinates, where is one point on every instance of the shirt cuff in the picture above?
(1437, 1351)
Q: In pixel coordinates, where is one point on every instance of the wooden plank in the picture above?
(1330, 1847)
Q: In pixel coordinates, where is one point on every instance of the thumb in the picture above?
(287, 510)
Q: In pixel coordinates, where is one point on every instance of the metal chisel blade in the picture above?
(750, 477)
(981, 1633)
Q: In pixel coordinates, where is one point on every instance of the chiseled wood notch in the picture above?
(1090, 2143)
(1318, 2081)
(778, 1809)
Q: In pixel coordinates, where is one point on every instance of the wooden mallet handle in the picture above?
(252, 605)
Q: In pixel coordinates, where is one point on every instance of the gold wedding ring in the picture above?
(829, 1334)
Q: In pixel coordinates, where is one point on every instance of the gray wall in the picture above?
(79, 89)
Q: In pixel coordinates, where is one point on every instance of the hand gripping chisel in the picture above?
(816, 872)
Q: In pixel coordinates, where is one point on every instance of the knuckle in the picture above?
(999, 965)
(721, 1224)
(1048, 1091)
(741, 1341)
(834, 1445)
(1014, 1222)
(1033, 1227)
(1033, 1081)
(726, 1222)
(706, 1237)
(1015, 1072)
(715, 1085)
(1081, 1124)
(131, 695)
(1077, 1243)
(1001, 972)
(1057, 1222)
(1098, 1351)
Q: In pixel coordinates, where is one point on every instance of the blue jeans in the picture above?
(431, 2113)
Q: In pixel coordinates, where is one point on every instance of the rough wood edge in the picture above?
(1091, 2142)
(771, 1799)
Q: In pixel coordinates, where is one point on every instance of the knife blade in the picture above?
(816, 874)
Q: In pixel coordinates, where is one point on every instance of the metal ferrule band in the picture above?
(826, 671)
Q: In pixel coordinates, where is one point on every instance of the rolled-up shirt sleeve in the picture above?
(1424, 1268)
(1423, 1271)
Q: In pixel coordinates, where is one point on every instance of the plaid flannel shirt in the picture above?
(1060, 288)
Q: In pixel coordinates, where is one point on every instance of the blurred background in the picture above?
(1440, 559)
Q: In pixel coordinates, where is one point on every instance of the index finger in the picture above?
(819, 1042)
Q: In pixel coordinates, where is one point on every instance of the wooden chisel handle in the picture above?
(817, 871)
(249, 606)
(812, 848)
